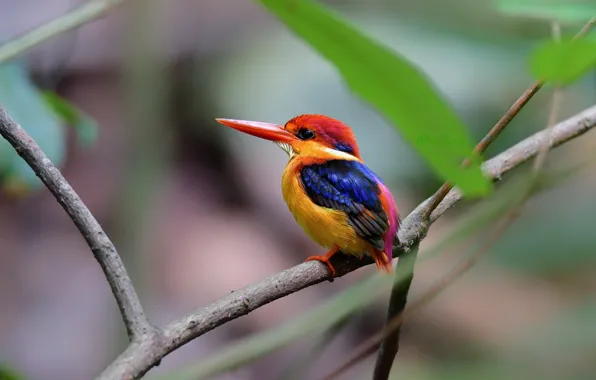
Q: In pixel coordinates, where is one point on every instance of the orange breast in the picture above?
(325, 226)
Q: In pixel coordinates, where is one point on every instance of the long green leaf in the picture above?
(393, 85)
(564, 62)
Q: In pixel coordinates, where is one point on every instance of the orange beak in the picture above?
(267, 131)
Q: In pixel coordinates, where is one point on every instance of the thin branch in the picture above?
(140, 358)
(71, 20)
(104, 251)
(489, 138)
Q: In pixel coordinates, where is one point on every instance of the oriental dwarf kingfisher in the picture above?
(336, 199)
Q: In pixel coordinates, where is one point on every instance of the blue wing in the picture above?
(351, 187)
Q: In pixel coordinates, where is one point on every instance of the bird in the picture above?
(339, 202)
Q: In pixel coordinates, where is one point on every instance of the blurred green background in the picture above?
(196, 209)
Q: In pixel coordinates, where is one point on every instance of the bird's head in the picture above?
(312, 135)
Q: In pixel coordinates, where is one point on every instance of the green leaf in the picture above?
(564, 11)
(25, 105)
(563, 62)
(83, 124)
(394, 86)
(9, 373)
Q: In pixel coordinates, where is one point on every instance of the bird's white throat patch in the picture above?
(287, 148)
(337, 154)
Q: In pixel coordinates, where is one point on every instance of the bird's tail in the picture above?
(382, 262)
(393, 216)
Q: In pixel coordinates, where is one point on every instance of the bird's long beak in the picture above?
(268, 131)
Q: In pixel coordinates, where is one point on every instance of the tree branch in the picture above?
(139, 358)
(137, 325)
(71, 20)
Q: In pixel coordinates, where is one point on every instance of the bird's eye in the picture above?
(305, 134)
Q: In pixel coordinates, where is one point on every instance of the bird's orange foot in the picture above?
(325, 259)
(322, 259)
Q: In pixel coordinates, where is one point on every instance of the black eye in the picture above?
(305, 134)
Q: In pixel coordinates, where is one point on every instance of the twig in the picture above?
(488, 139)
(139, 358)
(71, 20)
(137, 325)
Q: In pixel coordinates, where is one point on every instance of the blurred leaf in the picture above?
(546, 245)
(564, 11)
(394, 86)
(9, 373)
(537, 246)
(26, 106)
(561, 347)
(14, 186)
(299, 366)
(563, 62)
(484, 369)
(540, 347)
(83, 124)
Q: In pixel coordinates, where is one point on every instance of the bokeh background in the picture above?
(196, 210)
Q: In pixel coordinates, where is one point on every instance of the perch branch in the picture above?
(136, 360)
(105, 253)
(71, 20)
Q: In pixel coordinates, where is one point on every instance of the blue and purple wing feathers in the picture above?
(351, 187)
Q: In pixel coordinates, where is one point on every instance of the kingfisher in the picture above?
(338, 201)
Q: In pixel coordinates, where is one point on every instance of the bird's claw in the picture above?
(324, 260)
